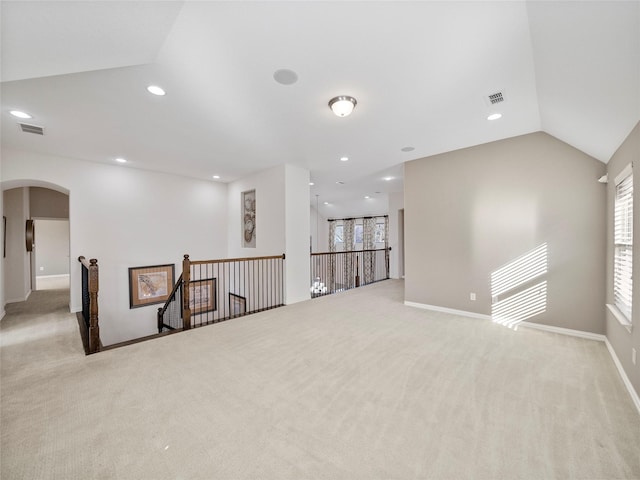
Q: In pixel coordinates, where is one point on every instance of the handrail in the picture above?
(170, 299)
(333, 272)
(242, 259)
(90, 322)
(352, 251)
(223, 289)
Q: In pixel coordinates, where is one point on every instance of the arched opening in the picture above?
(44, 262)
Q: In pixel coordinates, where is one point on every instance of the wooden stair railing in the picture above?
(253, 284)
(88, 317)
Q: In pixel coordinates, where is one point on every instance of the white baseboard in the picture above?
(53, 276)
(547, 328)
(564, 331)
(19, 299)
(462, 313)
(623, 375)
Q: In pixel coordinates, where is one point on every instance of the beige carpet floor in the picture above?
(351, 386)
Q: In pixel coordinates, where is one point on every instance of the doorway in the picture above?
(401, 243)
(50, 259)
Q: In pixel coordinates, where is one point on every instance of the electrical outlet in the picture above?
(472, 296)
(41, 269)
(633, 356)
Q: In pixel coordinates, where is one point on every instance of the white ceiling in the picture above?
(419, 70)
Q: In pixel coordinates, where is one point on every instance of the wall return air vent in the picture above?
(26, 128)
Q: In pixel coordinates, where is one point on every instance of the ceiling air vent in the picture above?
(26, 128)
(494, 98)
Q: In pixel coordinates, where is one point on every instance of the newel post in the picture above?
(94, 327)
(186, 278)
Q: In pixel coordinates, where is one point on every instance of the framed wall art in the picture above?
(237, 305)
(150, 285)
(249, 219)
(202, 296)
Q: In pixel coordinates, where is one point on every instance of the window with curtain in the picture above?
(623, 243)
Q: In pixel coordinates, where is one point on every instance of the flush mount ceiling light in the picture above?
(344, 159)
(311, 184)
(342, 105)
(121, 160)
(216, 177)
(156, 90)
(19, 114)
(494, 116)
(387, 179)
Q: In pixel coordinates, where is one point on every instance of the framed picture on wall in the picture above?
(249, 219)
(150, 285)
(202, 296)
(237, 305)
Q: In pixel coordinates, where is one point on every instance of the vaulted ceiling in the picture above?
(420, 71)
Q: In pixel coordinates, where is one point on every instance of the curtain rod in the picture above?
(355, 218)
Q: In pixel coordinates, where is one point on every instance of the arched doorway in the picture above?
(46, 203)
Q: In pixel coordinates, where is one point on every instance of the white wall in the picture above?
(396, 204)
(282, 220)
(319, 231)
(297, 219)
(270, 218)
(51, 249)
(17, 264)
(125, 218)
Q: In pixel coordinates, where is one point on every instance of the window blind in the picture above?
(623, 250)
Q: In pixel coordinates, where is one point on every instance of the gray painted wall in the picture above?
(51, 250)
(47, 203)
(469, 212)
(619, 337)
(17, 264)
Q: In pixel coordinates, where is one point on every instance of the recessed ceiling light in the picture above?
(326, 203)
(494, 116)
(19, 114)
(156, 90)
(407, 149)
(387, 179)
(216, 177)
(311, 183)
(344, 159)
(285, 76)
(121, 160)
(339, 182)
(367, 196)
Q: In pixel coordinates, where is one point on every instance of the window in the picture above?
(357, 234)
(379, 234)
(338, 235)
(623, 243)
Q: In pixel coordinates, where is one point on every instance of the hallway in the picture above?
(41, 329)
